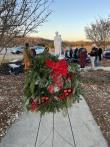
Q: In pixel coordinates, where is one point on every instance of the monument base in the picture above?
(61, 57)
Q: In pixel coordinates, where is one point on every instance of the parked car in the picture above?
(17, 50)
(38, 49)
(106, 53)
(12, 67)
(15, 67)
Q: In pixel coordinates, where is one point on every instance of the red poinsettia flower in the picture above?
(59, 67)
(50, 88)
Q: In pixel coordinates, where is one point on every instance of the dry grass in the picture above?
(10, 57)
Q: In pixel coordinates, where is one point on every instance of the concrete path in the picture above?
(86, 132)
(97, 68)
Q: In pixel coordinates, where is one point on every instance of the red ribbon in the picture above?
(59, 68)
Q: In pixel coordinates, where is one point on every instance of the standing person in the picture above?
(95, 52)
(82, 57)
(32, 52)
(92, 58)
(32, 55)
(71, 53)
(26, 56)
(100, 54)
(62, 51)
(76, 54)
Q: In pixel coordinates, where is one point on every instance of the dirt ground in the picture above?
(97, 95)
(10, 100)
(105, 62)
(96, 85)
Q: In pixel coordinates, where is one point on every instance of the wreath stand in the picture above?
(54, 130)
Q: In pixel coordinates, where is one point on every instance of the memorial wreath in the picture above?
(51, 84)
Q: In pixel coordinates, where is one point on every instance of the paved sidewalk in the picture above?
(97, 68)
(86, 132)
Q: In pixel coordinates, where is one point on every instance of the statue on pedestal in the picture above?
(57, 44)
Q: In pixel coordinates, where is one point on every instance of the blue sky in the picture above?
(69, 18)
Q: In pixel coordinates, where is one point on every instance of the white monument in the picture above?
(58, 45)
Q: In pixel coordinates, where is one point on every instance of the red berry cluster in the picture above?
(33, 103)
(66, 92)
(44, 99)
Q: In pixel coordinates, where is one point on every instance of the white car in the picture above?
(38, 49)
(17, 50)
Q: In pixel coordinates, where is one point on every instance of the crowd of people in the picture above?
(81, 56)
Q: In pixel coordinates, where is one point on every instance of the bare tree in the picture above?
(99, 32)
(21, 17)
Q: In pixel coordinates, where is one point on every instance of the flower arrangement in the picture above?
(51, 84)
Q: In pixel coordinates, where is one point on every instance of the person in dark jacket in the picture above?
(82, 57)
(100, 54)
(71, 53)
(76, 54)
(95, 52)
(92, 58)
(33, 52)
